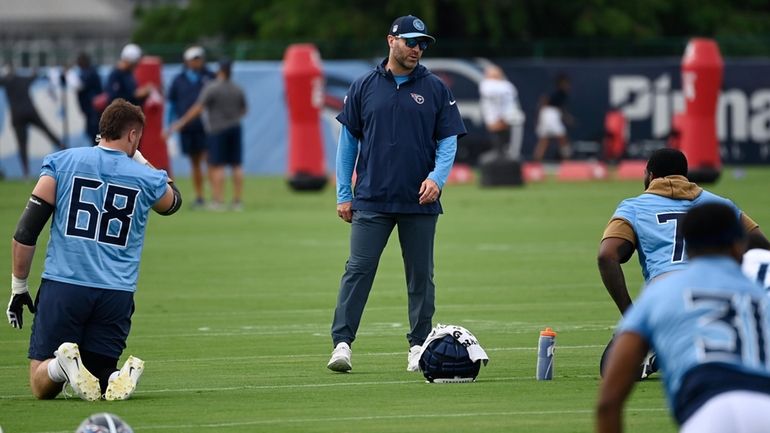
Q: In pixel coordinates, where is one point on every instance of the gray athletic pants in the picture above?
(369, 235)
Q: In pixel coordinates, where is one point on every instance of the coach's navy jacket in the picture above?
(184, 93)
(398, 127)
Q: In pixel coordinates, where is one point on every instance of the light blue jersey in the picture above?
(655, 220)
(103, 199)
(708, 314)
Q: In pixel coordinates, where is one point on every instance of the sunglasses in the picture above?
(416, 42)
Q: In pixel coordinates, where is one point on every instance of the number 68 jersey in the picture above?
(707, 316)
(103, 199)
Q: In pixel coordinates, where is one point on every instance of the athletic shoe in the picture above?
(649, 366)
(199, 204)
(340, 360)
(124, 384)
(413, 358)
(82, 382)
(215, 206)
(236, 206)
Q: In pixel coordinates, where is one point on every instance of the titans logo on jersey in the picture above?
(103, 199)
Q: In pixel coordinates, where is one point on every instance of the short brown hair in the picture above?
(118, 118)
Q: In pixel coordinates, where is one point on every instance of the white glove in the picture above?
(19, 298)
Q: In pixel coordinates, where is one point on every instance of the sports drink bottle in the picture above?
(545, 348)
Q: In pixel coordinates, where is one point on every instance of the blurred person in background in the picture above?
(182, 95)
(121, 82)
(552, 118)
(222, 104)
(88, 85)
(400, 125)
(502, 114)
(23, 113)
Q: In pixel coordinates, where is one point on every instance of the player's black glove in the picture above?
(19, 298)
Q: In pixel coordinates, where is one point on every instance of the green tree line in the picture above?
(356, 28)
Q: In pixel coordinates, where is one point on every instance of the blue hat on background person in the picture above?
(410, 27)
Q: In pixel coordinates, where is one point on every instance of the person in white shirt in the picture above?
(502, 114)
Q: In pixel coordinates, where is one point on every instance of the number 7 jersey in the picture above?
(651, 222)
(103, 199)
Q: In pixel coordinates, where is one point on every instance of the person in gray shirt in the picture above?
(222, 104)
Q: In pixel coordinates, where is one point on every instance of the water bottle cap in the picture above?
(548, 332)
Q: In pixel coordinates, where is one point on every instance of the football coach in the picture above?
(400, 126)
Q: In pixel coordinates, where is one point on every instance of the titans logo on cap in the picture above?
(418, 24)
(395, 28)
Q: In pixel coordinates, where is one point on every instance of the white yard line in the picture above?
(295, 420)
(324, 355)
(307, 386)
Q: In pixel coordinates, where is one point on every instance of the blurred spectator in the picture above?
(502, 114)
(184, 92)
(121, 82)
(552, 115)
(223, 103)
(24, 113)
(86, 81)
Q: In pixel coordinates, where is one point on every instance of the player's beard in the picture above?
(402, 57)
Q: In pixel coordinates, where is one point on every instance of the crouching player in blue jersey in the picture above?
(710, 327)
(100, 198)
(649, 224)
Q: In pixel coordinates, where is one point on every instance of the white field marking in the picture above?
(372, 330)
(294, 420)
(317, 243)
(324, 355)
(358, 354)
(384, 417)
(494, 247)
(311, 385)
(464, 307)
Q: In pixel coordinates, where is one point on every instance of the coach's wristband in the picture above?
(18, 285)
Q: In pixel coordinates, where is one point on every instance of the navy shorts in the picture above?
(98, 320)
(193, 143)
(225, 146)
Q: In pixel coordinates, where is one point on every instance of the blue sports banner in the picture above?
(648, 92)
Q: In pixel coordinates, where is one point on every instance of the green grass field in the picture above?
(233, 315)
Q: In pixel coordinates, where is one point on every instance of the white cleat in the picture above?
(124, 384)
(82, 382)
(413, 359)
(340, 360)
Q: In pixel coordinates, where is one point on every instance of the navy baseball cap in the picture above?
(410, 27)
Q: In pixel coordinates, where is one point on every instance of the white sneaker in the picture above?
(124, 384)
(82, 382)
(340, 360)
(413, 358)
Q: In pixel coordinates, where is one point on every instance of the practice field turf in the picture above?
(233, 315)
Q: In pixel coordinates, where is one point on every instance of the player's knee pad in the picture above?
(447, 360)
